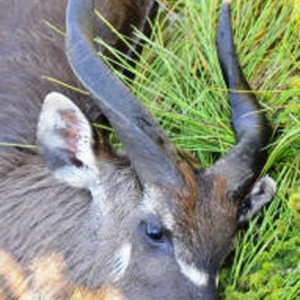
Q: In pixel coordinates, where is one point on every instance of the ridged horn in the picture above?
(243, 163)
(149, 149)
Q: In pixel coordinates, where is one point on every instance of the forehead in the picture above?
(203, 199)
(201, 216)
(201, 220)
(170, 202)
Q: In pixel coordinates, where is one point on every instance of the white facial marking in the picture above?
(151, 205)
(168, 220)
(199, 278)
(120, 262)
(217, 280)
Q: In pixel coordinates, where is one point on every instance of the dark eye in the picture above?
(154, 233)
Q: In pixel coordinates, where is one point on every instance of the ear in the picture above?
(262, 193)
(65, 142)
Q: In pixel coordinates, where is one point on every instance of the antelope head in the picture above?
(158, 228)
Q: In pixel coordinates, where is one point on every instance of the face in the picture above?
(179, 240)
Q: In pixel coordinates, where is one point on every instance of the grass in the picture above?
(178, 78)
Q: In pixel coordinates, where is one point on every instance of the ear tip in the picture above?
(61, 110)
(267, 185)
(271, 183)
(53, 104)
(54, 94)
(56, 99)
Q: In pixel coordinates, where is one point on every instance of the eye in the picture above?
(154, 233)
